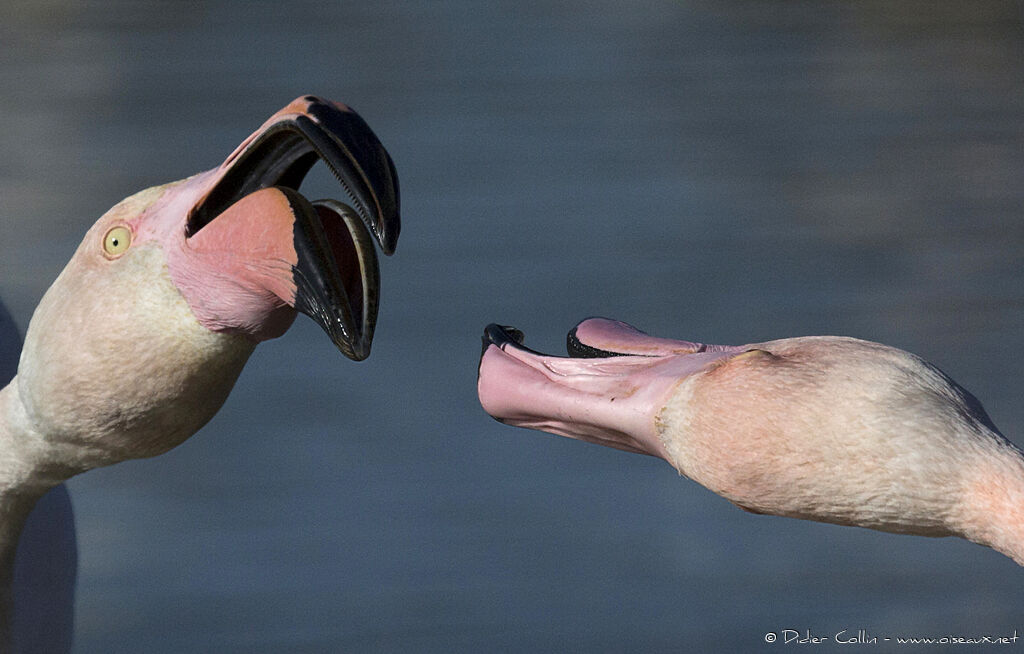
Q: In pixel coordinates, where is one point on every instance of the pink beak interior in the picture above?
(609, 391)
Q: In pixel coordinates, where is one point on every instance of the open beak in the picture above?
(598, 338)
(336, 273)
(609, 390)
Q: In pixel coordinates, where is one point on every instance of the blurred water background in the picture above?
(727, 172)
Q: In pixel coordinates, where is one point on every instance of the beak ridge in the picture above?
(287, 146)
(356, 157)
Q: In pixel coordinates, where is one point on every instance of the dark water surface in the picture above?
(720, 171)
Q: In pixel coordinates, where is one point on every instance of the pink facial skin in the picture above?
(612, 401)
(228, 234)
(236, 273)
(246, 250)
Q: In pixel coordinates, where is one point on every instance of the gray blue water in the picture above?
(719, 171)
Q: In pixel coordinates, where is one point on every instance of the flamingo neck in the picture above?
(27, 472)
(993, 508)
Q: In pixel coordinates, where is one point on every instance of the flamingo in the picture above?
(46, 562)
(824, 428)
(138, 342)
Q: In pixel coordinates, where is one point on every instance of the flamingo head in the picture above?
(141, 337)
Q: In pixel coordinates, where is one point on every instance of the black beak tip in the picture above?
(351, 345)
(353, 352)
(355, 346)
(390, 218)
(387, 232)
(503, 336)
(361, 163)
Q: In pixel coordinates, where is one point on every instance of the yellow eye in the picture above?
(117, 240)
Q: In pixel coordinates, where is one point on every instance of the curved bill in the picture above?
(283, 150)
(609, 390)
(337, 279)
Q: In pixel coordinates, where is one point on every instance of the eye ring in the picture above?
(116, 241)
